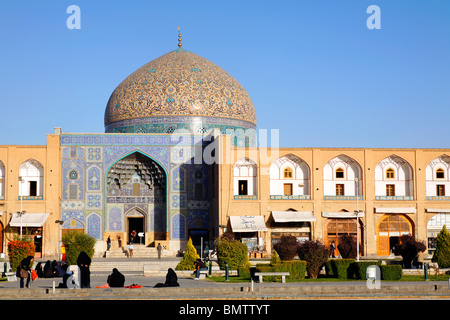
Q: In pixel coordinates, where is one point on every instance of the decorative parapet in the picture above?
(30, 197)
(394, 197)
(342, 198)
(438, 198)
(245, 197)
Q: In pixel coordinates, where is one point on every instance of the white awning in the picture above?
(342, 214)
(293, 216)
(247, 223)
(396, 210)
(29, 220)
(438, 210)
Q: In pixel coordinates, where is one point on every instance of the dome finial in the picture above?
(179, 38)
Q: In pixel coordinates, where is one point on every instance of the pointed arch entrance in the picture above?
(389, 230)
(136, 198)
(136, 225)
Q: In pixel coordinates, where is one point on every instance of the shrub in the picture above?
(232, 252)
(347, 246)
(275, 258)
(329, 269)
(189, 258)
(287, 247)
(408, 247)
(360, 268)
(76, 242)
(315, 254)
(296, 269)
(391, 272)
(343, 268)
(19, 250)
(442, 253)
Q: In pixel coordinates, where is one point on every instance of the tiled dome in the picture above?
(180, 85)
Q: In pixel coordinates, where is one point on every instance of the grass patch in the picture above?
(326, 279)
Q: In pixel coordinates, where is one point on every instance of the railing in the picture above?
(438, 198)
(291, 197)
(342, 198)
(245, 197)
(394, 197)
(30, 197)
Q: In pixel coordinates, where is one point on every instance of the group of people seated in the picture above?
(52, 269)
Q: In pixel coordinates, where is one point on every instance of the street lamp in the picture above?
(21, 213)
(59, 243)
(357, 219)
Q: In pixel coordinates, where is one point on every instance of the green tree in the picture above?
(232, 252)
(76, 242)
(442, 253)
(189, 257)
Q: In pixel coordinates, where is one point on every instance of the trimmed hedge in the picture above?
(361, 268)
(296, 269)
(343, 268)
(391, 272)
(348, 268)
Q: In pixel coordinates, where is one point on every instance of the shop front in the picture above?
(32, 226)
(249, 229)
(291, 223)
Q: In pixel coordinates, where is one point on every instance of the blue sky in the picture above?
(312, 68)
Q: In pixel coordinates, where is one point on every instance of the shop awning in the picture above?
(437, 210)
(342, 214)
(395, 210)
(29, 220)
(293, 216)
(247, 223)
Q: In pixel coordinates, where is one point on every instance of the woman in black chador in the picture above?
(171, 280)
(116, 279)
(83, 263)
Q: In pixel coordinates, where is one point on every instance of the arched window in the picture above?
(31, 175)
(390, 173)
(339, 173)
(288, 173)
(440, 174)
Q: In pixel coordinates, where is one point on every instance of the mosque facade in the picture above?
(179, 160)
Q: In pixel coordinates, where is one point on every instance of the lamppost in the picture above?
(59, 243)
(21, 213)
(357, 218)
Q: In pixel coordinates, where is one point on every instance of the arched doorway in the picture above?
(136, 226)
(136, 198)
(335, 227)
(389, 229)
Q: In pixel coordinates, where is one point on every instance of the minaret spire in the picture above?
(179, 38)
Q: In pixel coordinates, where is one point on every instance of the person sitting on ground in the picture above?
(39, 271)
(116, 279)
(48, 272)
(171, 280)
(65, 277)
(199, 266)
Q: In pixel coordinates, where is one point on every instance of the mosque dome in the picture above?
(180, 89)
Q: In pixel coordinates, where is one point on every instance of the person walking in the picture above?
(332, 249)
(130, 249)
(83, 263)
(108, 243)
(24, 271)
(159, 248)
